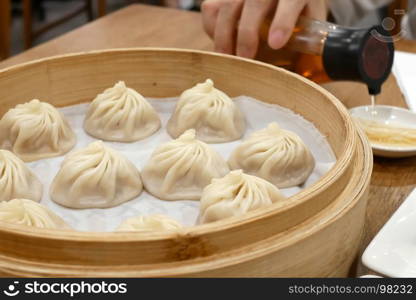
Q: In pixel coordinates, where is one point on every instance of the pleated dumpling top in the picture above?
(236, 194)
(29, 213)
(180, 169)
(150, 223)
(121, 114)
(277, 155)
(214, 116)
(95, 177)
(36, 130)
(17, 180)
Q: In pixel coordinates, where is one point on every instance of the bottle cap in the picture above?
(359, 55)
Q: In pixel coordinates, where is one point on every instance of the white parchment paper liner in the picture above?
(258, 116)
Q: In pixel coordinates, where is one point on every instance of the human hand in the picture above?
(234, 25)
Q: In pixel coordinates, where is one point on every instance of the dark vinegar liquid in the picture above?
(311, 67)
(307, 65)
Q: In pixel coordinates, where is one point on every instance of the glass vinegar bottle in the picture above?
(322, 52)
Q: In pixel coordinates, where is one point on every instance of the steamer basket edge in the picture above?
(332, 261)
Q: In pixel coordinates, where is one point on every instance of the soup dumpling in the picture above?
(17, 180)
(236, 194)
(121, 114)
(180, 169)
(95, 177)
(214, 115)
(274, 154)
(149, 224)
(29, 213)
(36, 130)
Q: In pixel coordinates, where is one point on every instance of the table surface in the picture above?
(140, 25)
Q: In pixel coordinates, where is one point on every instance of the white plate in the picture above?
(389, 115)
(404, 71)
(393, 251)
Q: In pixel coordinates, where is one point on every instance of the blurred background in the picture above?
(27, 23)
(37, 21)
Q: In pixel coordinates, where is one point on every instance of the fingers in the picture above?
(226, 26)
(220, 19)
(210, 9)
(284, 21)
(318, 10)
(252, 18)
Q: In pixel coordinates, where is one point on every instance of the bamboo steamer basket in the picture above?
(314, 233)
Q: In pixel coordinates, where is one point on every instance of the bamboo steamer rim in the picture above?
(203, 264)
(113, 237)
